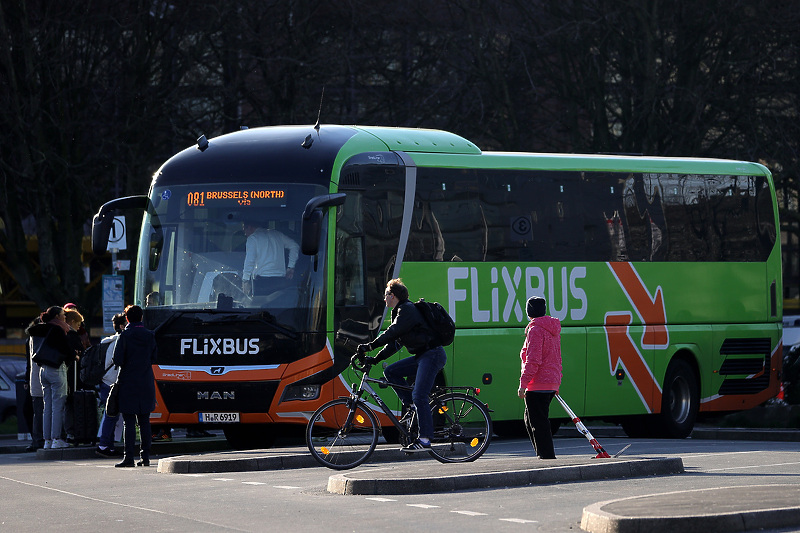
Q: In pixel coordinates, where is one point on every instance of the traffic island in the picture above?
(723, 509)
(466, 476)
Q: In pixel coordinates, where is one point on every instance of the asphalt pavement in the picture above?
(391, 472)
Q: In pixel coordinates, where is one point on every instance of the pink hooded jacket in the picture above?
(541, 355)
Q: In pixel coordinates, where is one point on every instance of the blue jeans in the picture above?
(109, 423)
(54, 384)
(424, 367)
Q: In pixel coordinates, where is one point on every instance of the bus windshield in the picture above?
(195, 245)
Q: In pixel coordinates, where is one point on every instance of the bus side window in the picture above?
(349, 267)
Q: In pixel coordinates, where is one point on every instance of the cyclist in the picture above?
(409, 329)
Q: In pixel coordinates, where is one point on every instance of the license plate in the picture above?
(218, 418)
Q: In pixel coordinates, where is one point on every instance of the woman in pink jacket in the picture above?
(541, 374)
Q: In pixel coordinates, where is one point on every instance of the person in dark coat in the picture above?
(134, 354)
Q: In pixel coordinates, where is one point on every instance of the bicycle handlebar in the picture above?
(358, 364)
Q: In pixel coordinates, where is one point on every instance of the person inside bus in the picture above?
(265, 270)
(409, 329)
(541, 374)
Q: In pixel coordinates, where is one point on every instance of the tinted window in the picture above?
(516, 215)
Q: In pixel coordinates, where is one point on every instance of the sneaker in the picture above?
(58, 443)
(106, 452)
(416, 447)
(162, 437)
(48, 444)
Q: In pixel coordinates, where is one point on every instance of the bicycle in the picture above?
(343, 433)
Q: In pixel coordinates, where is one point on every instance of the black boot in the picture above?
(126, 463)
(145, 461)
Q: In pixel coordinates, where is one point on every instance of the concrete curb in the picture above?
(636, 515)
(158, 448)
(257, 460)
(617, 468)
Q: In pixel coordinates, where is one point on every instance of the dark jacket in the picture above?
(135, 353)
(408, 329)
(55, 338)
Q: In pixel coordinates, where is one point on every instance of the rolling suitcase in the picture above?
(83, 409)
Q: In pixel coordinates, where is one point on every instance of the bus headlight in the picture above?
(300, 392)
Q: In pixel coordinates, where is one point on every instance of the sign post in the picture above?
(113, 300)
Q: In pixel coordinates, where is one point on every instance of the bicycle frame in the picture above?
(357, 392)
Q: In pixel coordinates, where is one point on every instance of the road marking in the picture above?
(252, 483)
(422, 505)
(382, 499)
(745, 467)
(287, 487)
(519, 520)
(223, 479)
(470, 513)
(194, 475)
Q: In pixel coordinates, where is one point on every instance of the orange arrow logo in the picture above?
(650, 309)
(621, 348)
(623, 351)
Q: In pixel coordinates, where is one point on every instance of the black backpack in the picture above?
(93, 364)
(439, 322)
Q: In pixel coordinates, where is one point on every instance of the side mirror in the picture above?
(101, 228)
(311, 224)
(310, 230)
(102, 221)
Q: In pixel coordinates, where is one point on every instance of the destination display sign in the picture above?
(206, 198)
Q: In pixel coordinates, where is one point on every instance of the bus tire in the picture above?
(680, 400)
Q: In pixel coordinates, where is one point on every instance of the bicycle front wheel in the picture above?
(342, 434)
(462, 428)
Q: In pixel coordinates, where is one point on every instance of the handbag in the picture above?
(112, 403)
(46, 355)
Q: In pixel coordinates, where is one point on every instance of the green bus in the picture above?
(665, 274)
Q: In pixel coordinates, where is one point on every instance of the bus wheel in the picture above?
(680, 400)
(249, 436)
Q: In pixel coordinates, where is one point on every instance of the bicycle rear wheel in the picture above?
(340, 436)
(462, 428)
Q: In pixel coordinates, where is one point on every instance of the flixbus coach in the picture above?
(665, 274)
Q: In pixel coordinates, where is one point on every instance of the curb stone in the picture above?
(361, 483)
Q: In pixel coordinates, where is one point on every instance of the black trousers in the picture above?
(537, 422)
(129, 432)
